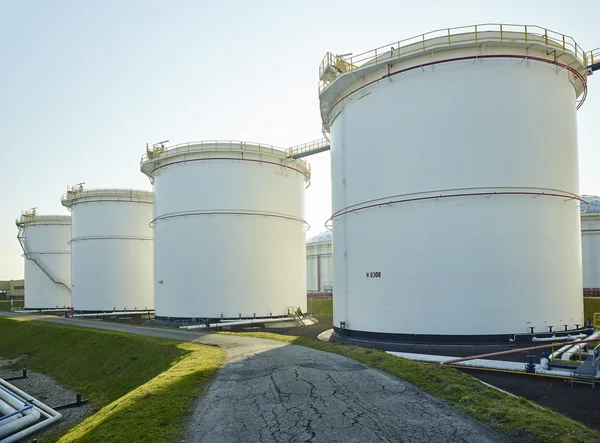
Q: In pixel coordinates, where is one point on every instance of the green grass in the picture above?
(128, 379)
(5, 304)
(320, 308)
(502, 412)
(590, 306)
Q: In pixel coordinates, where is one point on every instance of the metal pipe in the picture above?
(512, 351)
(554, 338)
(39, 408)
(574, 349)
(8, 412)
(107, 314)
(30, 417)
(239, 323)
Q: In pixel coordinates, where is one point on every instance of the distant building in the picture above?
(12, 289)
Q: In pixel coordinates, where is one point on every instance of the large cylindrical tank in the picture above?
(319, 264)
(45, 242)
(455, 186)
(229, 230)
(590, 245)
(112, 249)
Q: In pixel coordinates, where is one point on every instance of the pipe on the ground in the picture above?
(553, 338)
(8, 413)
(30, 417)
(239, 323)
(17, 397)
(575, 349)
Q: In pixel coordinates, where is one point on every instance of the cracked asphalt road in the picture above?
(269, 391)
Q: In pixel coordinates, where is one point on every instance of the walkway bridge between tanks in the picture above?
(310, 148)
(21, 224)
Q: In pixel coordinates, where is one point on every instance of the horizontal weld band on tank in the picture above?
(48, 253)
(167, 163)
(228, 212)
(111, 237)
(444, 196)
(472, 57)
(84, 200)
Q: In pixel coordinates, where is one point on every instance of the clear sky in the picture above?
(85, 84)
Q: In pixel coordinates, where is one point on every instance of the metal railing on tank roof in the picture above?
(75, 193)
(218, 145)
(333, 66)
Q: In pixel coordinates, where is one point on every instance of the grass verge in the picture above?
(127, 378)
(320, 308)
(590, 306)
(504, 413)
(5, 304)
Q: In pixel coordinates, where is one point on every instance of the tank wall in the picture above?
(229, 184)
(112, 253)
(319, 261)
(49, 246)
(208, 265)
(590, 245)
(423, 135)
(465, 265)
(233, 265)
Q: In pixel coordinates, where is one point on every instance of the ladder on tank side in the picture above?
(29, 256)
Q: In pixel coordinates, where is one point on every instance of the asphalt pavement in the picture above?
(270, 391)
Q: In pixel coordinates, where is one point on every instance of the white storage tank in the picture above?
(455, 185)
(590, 245)
(319, 264)
(45, 242)
(112, 249)
(229, 230)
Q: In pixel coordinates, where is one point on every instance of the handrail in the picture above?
(218, 145)
(333, 66)
(76, 192)
(29, 256)
(593, 56)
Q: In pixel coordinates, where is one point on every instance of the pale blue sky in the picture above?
(85, 84)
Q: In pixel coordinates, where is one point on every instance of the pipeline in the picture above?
(555, 338)
(31, 412)
(574, 349)
(513, 351)
(240, 322)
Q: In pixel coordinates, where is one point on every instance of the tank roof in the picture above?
(338, 72)
(77, 194)
(31, 217)
(593, 202)
(160, 155)
(321, 238)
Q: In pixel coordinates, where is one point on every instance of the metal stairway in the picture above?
(29, 256)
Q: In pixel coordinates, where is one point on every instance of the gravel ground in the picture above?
(49, 392)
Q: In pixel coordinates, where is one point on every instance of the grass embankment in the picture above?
(138, 386)
(5, 304)
(590, 306)
(320, 308)
(504, 413)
